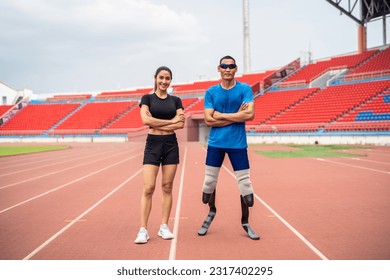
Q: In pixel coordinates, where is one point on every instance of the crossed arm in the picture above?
(176, 122)
(214, 118)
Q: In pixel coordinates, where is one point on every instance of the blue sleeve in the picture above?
(248, 94)
(208, 100)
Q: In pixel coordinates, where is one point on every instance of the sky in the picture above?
(65, 46)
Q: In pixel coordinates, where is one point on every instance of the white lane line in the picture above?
(67, 184)
(353, 165)
(172, 251)
(55, 172)
(47, 242)
(23, 162)
(290, 227)
(369, 160)
(38, 166)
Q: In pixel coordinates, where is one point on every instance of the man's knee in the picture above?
(210, 182)
(248, 199)
(211, 178)
(245, 186)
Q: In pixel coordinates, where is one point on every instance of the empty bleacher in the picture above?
(330, 104)
(374, 115)
(68, 97)
(36, 119)
(131, 121)
(4, 109)
(377, 66)
(193, 88)
(357, 102)
(124, 94)
(254, 78)
(197, 107)
(93, 117)
(272, 103)
(314, 70)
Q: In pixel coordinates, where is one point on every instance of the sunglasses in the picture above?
(230, 66)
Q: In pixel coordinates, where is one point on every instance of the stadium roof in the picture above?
(362, 11)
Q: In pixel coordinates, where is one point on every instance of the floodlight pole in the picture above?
(384, 30)
(247, 65)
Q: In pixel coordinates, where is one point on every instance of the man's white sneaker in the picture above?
(142, 236)
(164, 232)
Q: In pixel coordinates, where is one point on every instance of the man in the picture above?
(226, 108)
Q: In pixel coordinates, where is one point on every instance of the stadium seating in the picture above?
(359, 102)
(93, 117)
(193, 88)
(312, 71)
(187, 102)
(378, 63)
(69, 97)
(137, 93)
(4, 109)
(254, 78)
(272, 103)
(196, 107)
(330, 104)
(374, 115)
(131, 121)
(37, 118)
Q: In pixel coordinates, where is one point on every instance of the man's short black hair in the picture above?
(227, 57)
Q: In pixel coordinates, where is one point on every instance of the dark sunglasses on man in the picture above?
(226, 66)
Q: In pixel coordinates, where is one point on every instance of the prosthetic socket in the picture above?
(243, 180)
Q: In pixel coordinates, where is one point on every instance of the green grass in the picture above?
(17, 150)
(301, 151)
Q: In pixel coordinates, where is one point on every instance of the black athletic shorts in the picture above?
(161, 149)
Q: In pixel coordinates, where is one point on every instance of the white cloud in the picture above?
(88, 37)
(63, 45)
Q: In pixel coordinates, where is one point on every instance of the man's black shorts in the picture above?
(161, 149)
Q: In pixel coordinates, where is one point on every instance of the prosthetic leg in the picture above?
(245, 218)
(210, 217)
(246, 197)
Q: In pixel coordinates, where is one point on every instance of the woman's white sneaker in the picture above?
(142, 236)
(164, 232)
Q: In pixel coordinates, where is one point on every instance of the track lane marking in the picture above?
(296, 232)
(51, 164)
(55, 172)
(352, 165)
(172, 251)
(67, 184)
(79, 218)
(290, 227)
(24, 162)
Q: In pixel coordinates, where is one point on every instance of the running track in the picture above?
(83, 203)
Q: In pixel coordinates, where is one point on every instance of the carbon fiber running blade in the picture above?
(206, 224)
(250, 231)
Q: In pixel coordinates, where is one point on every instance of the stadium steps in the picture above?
(119, 117)
(64, 119)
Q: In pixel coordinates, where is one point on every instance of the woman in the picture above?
(163, 113)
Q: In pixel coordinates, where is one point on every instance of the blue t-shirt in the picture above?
(228, 101)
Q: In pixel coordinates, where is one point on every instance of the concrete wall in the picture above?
(378, 140)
